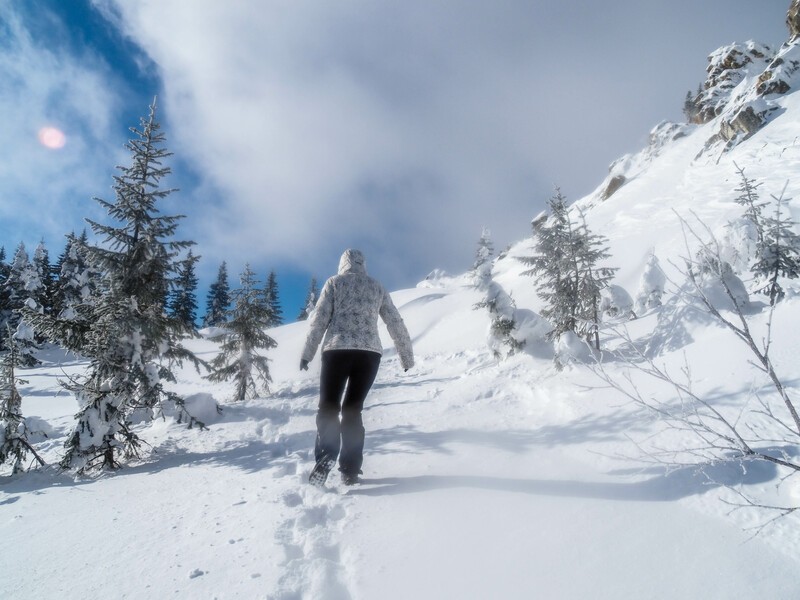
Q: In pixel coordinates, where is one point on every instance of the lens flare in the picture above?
(51, 137)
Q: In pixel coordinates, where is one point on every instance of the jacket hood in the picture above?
(352, 261)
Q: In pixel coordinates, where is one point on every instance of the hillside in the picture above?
(484, 478)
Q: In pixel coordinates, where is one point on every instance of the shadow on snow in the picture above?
(665, 487)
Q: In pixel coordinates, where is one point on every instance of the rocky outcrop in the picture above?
(616, 182)
(776, 79)
(727, 68)
(793, 20)
(744, 85)
(744, 124)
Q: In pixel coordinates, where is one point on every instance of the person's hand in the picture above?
(303, 365)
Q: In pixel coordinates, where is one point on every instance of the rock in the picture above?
(780, 76)
(793, 20)
(746, 122)
(614, 184)
(727, 67)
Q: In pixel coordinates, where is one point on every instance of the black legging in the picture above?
(357, 370)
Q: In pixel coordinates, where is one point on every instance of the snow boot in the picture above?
(351, 478)
(319, 474)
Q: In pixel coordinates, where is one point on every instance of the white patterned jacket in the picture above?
(347, 314)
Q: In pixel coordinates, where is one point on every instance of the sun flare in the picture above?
(53, 138)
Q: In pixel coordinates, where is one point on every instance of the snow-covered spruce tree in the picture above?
(23, 282)
(310, 302)
(77, 282)
(5, 294)
(503, 325)
(218, 299)
(778, 252)
(552, 265)
(24, 287)
(272, 300)
(569, 278)
(183, 297)
(651, 285)
(748, 197)
(14, 444)
(590, 249)
(239, 357)
(131, 341)
(44, 273)
(689, 107)
(482, 267)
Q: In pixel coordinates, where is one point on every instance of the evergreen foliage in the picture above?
(77, 282)
(569, 279)
(503, 326)
(748, 197)
(651, 285)
(590, 250)
(778, 252)
(690, 107)
(482, 267)
(5, 294)
(310, 302)
(24, 289)
(130, 340)
(552, 266)
(14, 444)
(43, 296)
(239, 358)
(183, 298)
(272, 300)
(218, 299)
(22, 283)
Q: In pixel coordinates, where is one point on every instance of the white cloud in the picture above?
(401, 127)
(42, 190)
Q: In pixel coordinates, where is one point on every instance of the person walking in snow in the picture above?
(347, 315)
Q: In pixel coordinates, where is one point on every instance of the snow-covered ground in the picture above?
(483, 478)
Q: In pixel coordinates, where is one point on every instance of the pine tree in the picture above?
(590, 249)
(183, 301)
(131, 341)
(553, 265)
(310, 302)
(748, 197)
(218, 299)
(778, 253)
(690, 109)
(22, 282)
(5, 294)
(570, 280)
(244, 337)
(24, 287)
(44, 272)
(651, 285)
(272, 300)
(14, 444)
(77, 283)
(482, 267)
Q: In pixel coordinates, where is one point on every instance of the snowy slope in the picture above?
(483, 478)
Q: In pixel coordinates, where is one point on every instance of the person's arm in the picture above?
(318, 323)
(397, 329)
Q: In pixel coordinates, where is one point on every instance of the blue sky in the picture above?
(301, 129)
